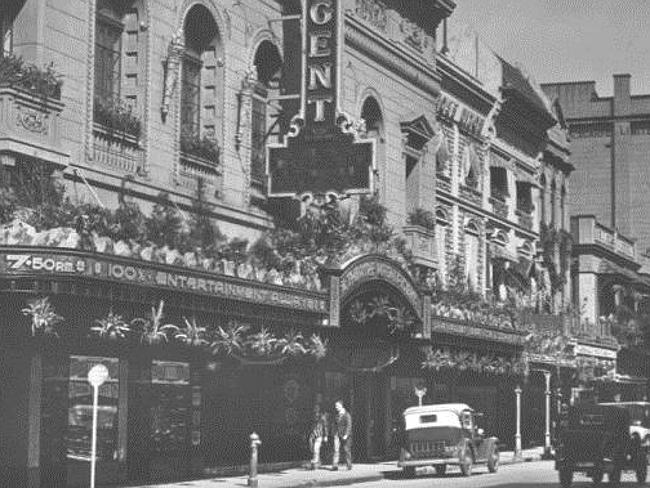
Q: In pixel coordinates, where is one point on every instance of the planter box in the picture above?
(422, 243)
(117, 150)
(29, 127)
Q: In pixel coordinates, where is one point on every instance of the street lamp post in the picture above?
(517, 455)
(97, 375)
(547, 433)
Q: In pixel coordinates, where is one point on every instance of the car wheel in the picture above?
(615, 476)
(441, 469)
(409, 472)
(493, 460)
(566, 477)
(466, 462)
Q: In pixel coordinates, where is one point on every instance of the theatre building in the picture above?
(247, 115)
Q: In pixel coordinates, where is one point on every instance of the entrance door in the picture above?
(369, 411)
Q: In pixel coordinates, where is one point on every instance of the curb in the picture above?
(336, 482)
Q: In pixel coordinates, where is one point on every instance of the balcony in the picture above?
(443, 182)
(470, 194)
(525, 218)
(29, 127)
(586, 230)
(422, 243)
(499, 207)
(117, 150)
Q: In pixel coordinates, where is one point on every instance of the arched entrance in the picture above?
(375, 348)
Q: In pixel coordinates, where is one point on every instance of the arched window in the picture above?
(201, 94)
(441, 232)
(265, 112)
(119, 66)
(471, 254)
(7, 17)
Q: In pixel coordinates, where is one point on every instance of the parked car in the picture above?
(595, 440)
(640, 420)
(440, 435)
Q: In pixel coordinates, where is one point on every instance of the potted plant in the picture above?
(17, 74)
(152, 330)
(192, 335)
(229, 340)
(203, 147)
(117, 118)
(43, 317)
(112, 327)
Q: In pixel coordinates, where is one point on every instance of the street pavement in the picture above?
(538, 474)
(377, 474)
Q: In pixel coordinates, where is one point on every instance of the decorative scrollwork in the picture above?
(373, 12)
(32, 120)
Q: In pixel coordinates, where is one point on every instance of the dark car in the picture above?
(595, 440)
(439, 435)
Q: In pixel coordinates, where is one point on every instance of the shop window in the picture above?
(265, 111)
(499, 183)
(80, 411)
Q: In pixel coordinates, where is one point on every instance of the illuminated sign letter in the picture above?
(319, 44)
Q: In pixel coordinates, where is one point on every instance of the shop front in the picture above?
(169, 409)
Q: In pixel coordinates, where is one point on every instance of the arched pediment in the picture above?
(378, 273)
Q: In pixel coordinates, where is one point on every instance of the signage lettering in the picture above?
(148, 276)
(467, 119)
(374, 269)
(319, 156)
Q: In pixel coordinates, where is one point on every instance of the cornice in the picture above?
(466, 83)
(387, 53)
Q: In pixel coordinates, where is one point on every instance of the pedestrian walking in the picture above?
(318, 436)
(342, 434)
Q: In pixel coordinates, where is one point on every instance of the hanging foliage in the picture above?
(461, 361)
(43, 317)
(152, 330)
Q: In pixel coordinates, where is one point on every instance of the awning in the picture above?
(609, 268)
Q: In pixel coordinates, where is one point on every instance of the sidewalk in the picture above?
(303, 478)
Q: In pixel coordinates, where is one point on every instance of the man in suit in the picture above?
(342, 436)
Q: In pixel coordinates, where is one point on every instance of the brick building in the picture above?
(609, 142)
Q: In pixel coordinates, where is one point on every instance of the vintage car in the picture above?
(640, 420)
(594, 440)
(439, 435)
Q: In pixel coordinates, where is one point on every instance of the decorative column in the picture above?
(517, 455)
(547, 434)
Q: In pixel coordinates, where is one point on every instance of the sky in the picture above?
(567, 40)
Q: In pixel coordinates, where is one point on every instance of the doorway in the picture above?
(369, 410)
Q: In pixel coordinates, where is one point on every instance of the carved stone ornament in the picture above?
(32, 120)
(373, 12)
(414, 35)
(175, 52)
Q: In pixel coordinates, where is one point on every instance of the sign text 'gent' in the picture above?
(319, 156)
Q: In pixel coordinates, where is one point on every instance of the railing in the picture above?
(525, 219)
(499, 207)
(119, 151)
(614, 241)
(193, 166)
(443, 182)
(470, 194)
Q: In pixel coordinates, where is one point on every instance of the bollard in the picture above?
(517, 456)
(252, 476)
